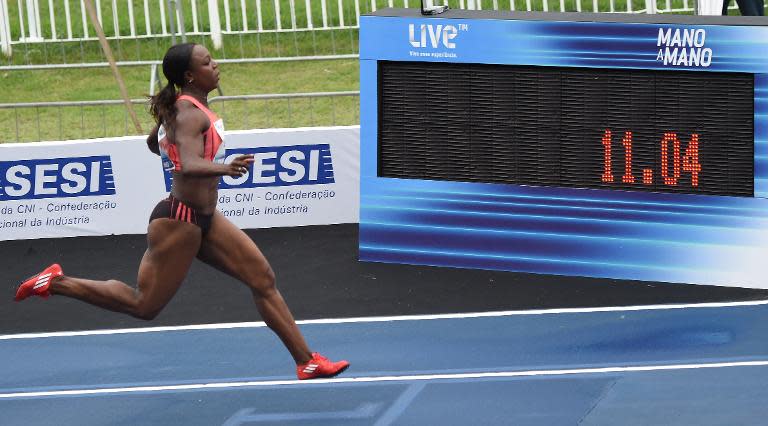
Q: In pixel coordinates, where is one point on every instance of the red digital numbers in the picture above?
(691, 159)
(607, 170)
(689, 162)
(627, 142)
(670, 137)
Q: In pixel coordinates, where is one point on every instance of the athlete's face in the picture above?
(203, 70)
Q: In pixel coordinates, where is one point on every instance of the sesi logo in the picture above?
(279, 166)
(56, 178)
(434, 36)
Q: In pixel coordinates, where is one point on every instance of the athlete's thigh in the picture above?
(230, 250)
(172, 246)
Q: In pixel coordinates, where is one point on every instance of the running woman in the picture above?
(189, 139)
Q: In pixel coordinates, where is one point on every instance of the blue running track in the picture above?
(661, 365)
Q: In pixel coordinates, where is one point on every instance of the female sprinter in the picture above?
(186, 225)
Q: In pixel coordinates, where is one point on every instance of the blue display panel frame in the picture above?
(586, 232)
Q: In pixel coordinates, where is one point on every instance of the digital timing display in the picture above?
(641, 130)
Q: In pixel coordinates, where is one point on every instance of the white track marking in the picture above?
(377, 379)
(220, 326)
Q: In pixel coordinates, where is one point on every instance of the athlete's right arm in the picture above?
(152, 142)
(188, 135)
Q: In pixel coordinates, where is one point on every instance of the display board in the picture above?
(622, 146)
(662, 131)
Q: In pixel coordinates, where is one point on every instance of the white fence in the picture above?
(46, 21)
(45, 121)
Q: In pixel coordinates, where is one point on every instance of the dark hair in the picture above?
(162, 106)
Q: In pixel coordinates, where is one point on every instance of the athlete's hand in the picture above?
(239, 166)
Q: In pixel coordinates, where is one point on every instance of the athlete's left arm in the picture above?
(190, 124)
(189, 139)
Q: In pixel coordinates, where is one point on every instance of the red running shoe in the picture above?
(320, 367)
(38, 284)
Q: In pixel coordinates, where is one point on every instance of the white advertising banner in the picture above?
(306, 176)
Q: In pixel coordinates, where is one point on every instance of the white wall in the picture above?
(110, 186)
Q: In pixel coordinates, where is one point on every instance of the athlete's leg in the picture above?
(172, 246)
(230, 250)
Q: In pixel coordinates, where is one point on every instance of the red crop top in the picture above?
(213, 140)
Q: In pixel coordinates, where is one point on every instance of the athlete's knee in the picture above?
(264, 282)
(146, 314)
(144, 310)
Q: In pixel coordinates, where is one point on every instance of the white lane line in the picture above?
(220, 326)
(377, 379)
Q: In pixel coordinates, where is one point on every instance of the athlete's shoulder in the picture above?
(185, 104)
(189, 115)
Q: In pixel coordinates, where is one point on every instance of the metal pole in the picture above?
(215, 22)
(171, 19)
(152, 79)
(5, 29)
(182, 27)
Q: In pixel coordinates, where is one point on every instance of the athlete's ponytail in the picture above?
(162, 106)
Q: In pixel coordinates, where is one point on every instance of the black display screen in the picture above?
(664, 131)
